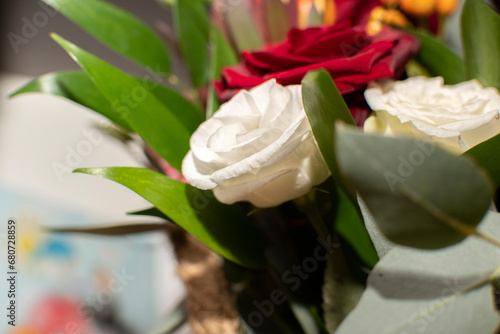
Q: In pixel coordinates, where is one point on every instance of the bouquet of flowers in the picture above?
(321, 166)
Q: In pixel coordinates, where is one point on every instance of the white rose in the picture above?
(258, 147)
(456, 117)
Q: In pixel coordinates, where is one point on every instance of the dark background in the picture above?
(41, 54)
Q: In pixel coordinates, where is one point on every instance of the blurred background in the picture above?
(71, 283)
(40, 54)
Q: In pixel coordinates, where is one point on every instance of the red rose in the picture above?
(355, 11)
(351, 56)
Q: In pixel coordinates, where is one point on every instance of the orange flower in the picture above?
(446, 7)
(390, 2)
(422, 8)
(380, 16)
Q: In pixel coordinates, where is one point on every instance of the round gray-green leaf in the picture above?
(420, 195)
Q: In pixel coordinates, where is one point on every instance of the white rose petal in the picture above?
(456, 117)
(258, 147)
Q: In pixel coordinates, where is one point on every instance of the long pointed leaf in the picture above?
(481, 41)
(117, 29)
(77, 87)
(172, 321)
(324, 105)
(222, 55)
(277, 20)
(225, 229)
(487, 155)
(155, 122)
(152, 212)
(242, 27)
(114, 230)
(438, 60)
(192, 25)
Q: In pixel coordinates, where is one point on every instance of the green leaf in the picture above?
(158, 124)
(172, 321)
(438, 59)
(225, 229)
(324, 105)
(481, 42)
(152, 212)
(117, 29)
(487, 155)
(315, 19)
(222, 55)
(192, 25)
(351, 227)
(277, 20)
(188, 114)
(79, 88)
(113, 230)
(304, 316)
(76, 87)
(443, 291)
(242, 27)
(341, 292)
(420, 195)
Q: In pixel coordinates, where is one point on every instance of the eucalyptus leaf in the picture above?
(487, 155)
(76, 87)
(443, 291)
(192, 26)
(324, 105)
(117, 29)
(420, 195)
(158, 124)
(223, 228)
(438, 59)
(381, 243)
(481, 42)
